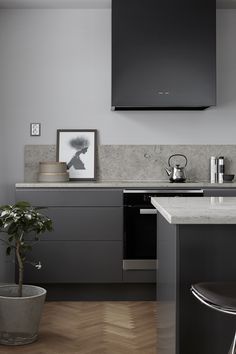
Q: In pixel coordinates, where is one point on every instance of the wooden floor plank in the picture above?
(94, 328)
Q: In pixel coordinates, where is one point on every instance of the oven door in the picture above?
(139, 238)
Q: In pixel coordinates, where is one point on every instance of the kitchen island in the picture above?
(196, 241)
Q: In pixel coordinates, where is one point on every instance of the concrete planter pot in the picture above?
(20, 316)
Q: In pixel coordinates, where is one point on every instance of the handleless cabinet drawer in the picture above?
(220, 192)
(71, 197)
(75, 262)
(79, 223)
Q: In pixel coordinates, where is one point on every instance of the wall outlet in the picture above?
(35, 129)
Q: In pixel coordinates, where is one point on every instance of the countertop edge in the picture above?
(162, 211)
(124, 184)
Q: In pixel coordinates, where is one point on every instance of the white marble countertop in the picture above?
(124, 184)
(203, 210)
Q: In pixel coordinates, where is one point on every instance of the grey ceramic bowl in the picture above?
(228, 178)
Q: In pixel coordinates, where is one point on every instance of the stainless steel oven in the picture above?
(139, 251)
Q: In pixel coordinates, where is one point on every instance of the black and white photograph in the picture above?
(77, 148)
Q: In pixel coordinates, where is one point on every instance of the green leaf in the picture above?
(10, 239)
(4, 213)
(12, 229)
(49, 227)
(5, 207)
(22, 204)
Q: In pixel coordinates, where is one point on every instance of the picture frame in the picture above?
(77, 147)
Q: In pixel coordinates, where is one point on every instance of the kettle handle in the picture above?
(186, 161)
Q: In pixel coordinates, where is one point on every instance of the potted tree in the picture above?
(21, 305)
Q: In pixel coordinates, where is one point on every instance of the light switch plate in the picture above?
(35, 129)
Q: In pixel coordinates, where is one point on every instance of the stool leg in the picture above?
(233, 346)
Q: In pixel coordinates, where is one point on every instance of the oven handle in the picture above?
(164, 191)
(148, 211)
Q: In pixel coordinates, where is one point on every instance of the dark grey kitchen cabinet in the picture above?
(86, 244)
(220, 192)
(85, 224)
(139, 276)
(74, 262)
(84, 197)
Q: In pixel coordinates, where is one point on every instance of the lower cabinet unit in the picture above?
(86, 245)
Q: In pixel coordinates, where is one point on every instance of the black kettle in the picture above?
(176, 172)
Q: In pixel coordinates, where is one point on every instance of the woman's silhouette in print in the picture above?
(81, 145)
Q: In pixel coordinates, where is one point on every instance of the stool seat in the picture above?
(222, 294)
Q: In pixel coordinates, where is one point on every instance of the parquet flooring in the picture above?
(94, 328)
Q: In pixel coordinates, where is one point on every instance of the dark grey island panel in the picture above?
(189, 254)
(166, 286)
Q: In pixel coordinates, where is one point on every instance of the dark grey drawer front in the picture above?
(139, 276)
(221, 192)
(77, 223)
(76, 262)
(71, 197)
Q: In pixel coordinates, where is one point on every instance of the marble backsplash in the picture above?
(138, 162)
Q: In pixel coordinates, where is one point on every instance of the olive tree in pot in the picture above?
(21, 305)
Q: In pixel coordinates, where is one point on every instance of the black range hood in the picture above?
(163, 54)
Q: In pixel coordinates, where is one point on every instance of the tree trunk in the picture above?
(21, 268)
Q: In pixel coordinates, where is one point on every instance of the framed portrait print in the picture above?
(78, 149)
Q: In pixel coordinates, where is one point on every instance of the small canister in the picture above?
(213, 169)
(221, 169)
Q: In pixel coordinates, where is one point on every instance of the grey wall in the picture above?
(55, 69)
(2, 199)
(6, 266)
(3, 161)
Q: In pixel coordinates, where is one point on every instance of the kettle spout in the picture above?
(168, 172)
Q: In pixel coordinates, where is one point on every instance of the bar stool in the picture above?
(220, 296)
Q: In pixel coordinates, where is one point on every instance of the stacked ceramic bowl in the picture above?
(53, 172)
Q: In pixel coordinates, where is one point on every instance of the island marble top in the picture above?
(201, 210)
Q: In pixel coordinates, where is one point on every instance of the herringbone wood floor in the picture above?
(94, 328)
